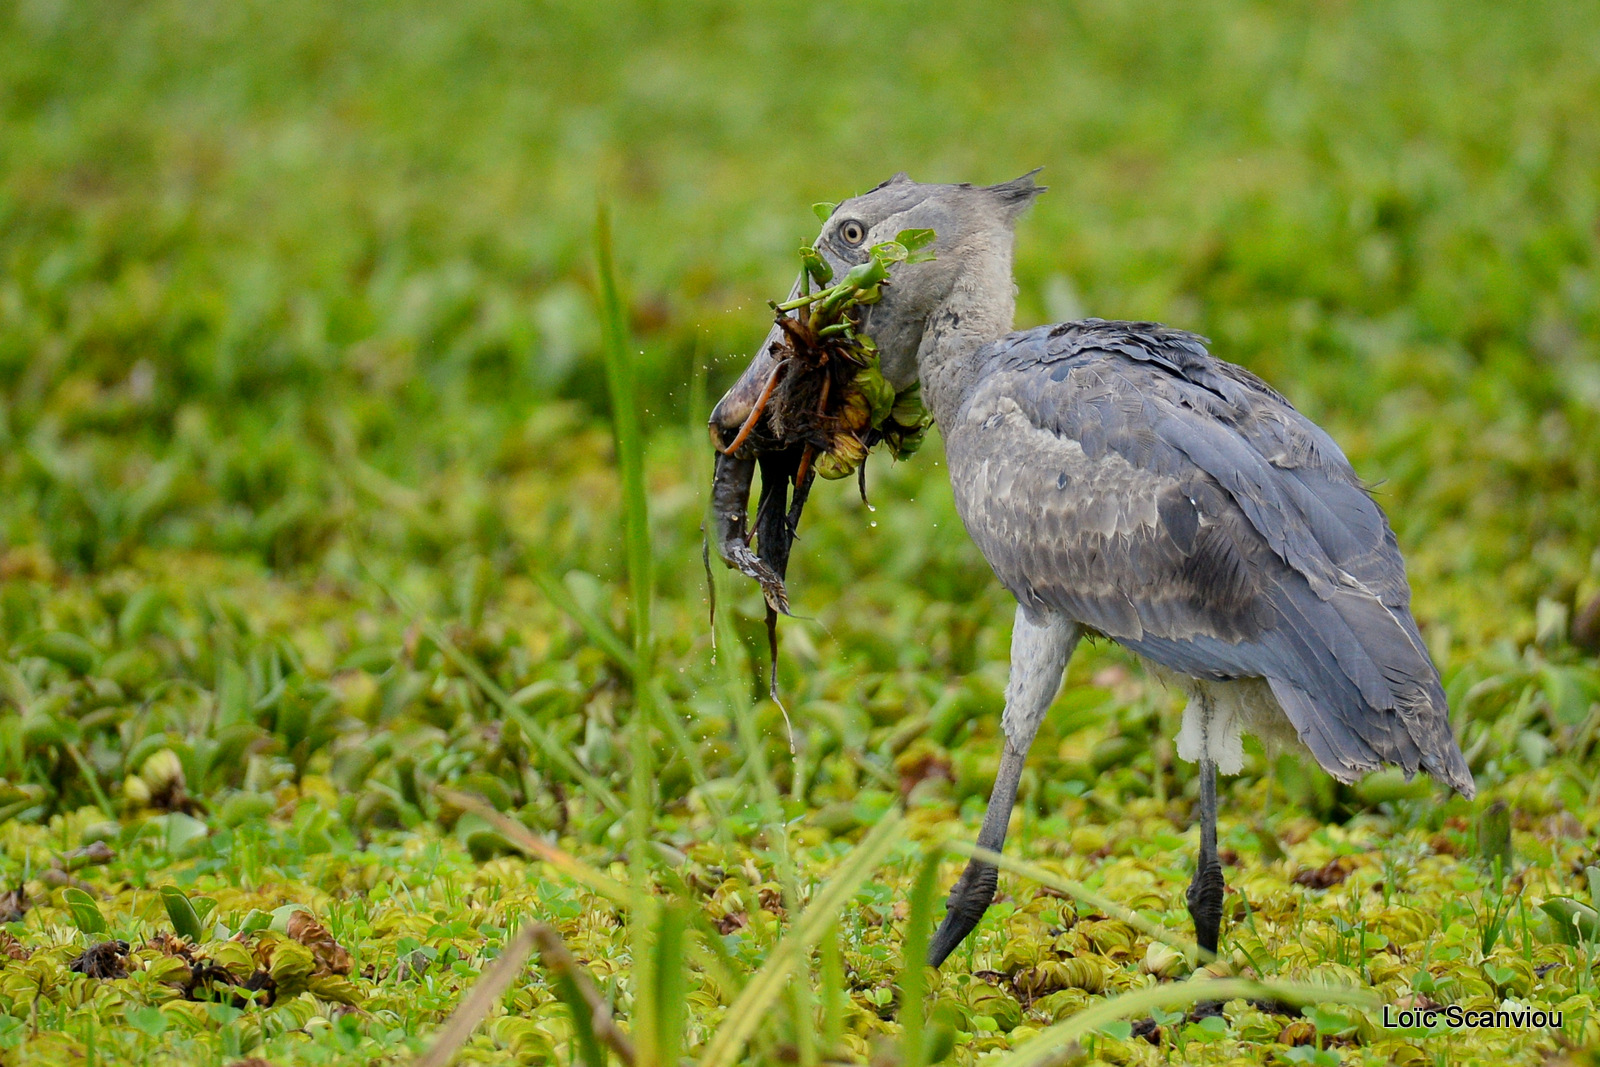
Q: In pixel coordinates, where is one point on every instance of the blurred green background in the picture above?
(298, 346)
(230, 231)
(292, 290)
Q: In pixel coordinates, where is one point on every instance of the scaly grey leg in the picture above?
(1205, 891)
(1039, 654)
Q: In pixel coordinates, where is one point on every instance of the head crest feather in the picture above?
(1017, 193)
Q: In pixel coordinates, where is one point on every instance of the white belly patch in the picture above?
(1219, 714)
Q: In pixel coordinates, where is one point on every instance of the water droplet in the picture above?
(873, 523)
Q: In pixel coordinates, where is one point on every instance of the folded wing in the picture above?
(1119, 474)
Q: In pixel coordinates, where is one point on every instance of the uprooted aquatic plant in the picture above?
(819, 404)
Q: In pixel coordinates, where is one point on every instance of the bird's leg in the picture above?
(1039, 655)
(972, 894)
(1205, 891)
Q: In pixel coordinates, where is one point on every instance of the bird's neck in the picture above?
(978, 310)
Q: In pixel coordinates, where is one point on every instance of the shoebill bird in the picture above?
(1123, 482)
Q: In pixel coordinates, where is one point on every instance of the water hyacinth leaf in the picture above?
(67, 649)
(817, 268)
(185, 920)
(1592, 876)
(915, 240)
(1573, 921)
(152, 1021)
(1328, 1021)
(140, 613)
(879, 393)
(750, 1009)
(890, 252)
(86, 915)
(256, 919)
(823, 210)
(181, 832)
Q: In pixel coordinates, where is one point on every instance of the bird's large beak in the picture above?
(732, 411)
(730, 485)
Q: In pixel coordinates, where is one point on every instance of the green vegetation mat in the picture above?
(310, 507)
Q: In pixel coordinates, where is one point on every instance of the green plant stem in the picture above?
(746, 1013)
(93, 779)
(629, 441)
(1083, 893)
(553, 750)
(1045, 1045)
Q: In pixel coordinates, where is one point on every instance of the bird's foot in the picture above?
(1205, 903)
(970, 897)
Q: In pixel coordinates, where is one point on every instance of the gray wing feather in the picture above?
(1118, 473)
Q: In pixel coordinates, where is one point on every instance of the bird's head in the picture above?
(967, 286)
(972, 256)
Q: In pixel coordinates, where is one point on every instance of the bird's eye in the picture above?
(853, 232)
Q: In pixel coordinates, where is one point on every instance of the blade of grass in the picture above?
(1079, 891)
(93, 779)
(747, 1013)
(553, 750)
(641, 936)
(636, 525)
(479, 1001)
(832, 991)
(1048, 1043)
(591, 1015)
(630, 444)
(593, 627)
(520, 837)
(914, 950)
(671, 986)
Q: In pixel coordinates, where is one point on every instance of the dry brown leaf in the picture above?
(107, 959)
(331, 956)
(12, 948)
(1329, 874)
(14, 904)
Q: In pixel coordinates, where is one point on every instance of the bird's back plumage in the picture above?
(1118, 474)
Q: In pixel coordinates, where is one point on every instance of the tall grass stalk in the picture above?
(480, 1000)
(833, 991)
(636, 526)
(1079, 891)
(553, 750)
(1046, 1046)
(914, 952)
(749, 1010)
(628, 434)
